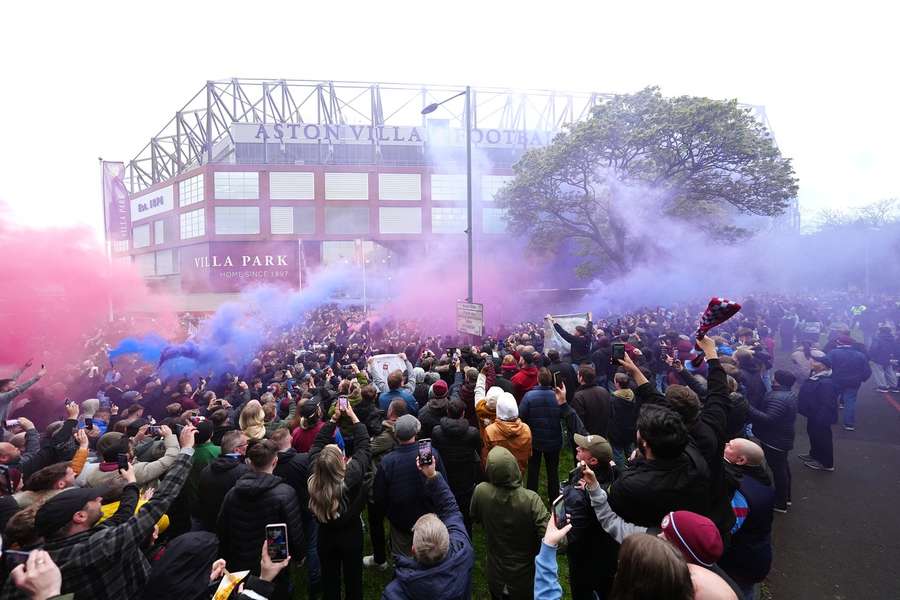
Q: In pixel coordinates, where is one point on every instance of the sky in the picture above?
(82, 80)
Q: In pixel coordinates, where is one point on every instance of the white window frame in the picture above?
(192, 224)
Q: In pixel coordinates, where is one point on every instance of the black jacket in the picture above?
(460, 446)
(256, 500)
(568, 375)
(293, 467)
(216, 480)
(581, 344)
(400, 487)
(817, 400)
(751, 379)
(356, 475)
(623, 415)
(431, 415)
(774, 424)
(749, 556)
(591, 402)
(883, 348)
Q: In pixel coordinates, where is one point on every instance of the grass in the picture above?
(374, 581)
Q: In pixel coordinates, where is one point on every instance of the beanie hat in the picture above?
(695, 536)
(204, 432)
(507, 408)
(439, 389)
(431, 377)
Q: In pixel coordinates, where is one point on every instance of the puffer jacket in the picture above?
(541, 413)
(750, 377)
(622, 419)
(460, 445)
(399, 486)
(515, 436)
(216, 480)
(774, 424)
(256, 500)
(514, 520)
(849, 366)
(818, 399)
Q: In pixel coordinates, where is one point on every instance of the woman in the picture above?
(818, 402)
(308, 428)
(651, 568)
(253, 420)
(338, 491)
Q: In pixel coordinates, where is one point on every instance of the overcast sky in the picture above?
(88, 79)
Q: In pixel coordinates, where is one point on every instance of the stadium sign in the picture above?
(231, 266)
(312, 133)
(152, 203)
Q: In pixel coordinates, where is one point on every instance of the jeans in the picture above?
(781, 473)
(821, 446)
(534, 471)
(885, 377)
(848, 397)
(621, 454)
(767, 380)
(311, 529)
(661, 382)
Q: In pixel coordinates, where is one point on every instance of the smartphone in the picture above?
(122, 461)
(557, 379)
(197, 420)
(154, 430)
(14, 558)
(576, 474)
(10, 423)
(425, 455)
(277, 541)
(618, 351)
(343, 403)
(88, 423)
(559, 513)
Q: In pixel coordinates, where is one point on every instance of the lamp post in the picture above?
(430, 109)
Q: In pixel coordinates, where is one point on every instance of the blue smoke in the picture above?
(148, 347)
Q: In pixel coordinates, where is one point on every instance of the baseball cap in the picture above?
(406, 428)
(694, 535)
(597, 445)
(58, 510)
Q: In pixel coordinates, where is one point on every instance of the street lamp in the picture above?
(430, 109)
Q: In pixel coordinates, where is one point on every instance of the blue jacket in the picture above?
(400, 487)
(774, 423)
(849, 367)
(541, 413)
(749, 556)
(385, 399)
(450, 579)
(818, 399)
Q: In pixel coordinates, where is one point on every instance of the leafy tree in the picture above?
(874, 215)
(696, 160)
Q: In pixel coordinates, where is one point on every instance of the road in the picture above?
(841, 538)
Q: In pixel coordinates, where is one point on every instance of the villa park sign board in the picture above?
(386, 135)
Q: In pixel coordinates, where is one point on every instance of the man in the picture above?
(9, 391)
(382, 443)
(884, 348)
(257, 499)
(623, 419)
(20, 464)
(580, 341)
(514, 520)
(205, 451)
(293, 468)
(592, 553)
(399, 488)
(218, 477)
(394, 387)
(566, 372)
(817, 400)
(436, 407)
(36, 457)
(749, 556)
(774, 426)
(105, 562)
(540, 411)
(850, 368)
(527, 377)
(111, 444)
(508, 431)
(442, 555)
(460, 445)
(591, 402)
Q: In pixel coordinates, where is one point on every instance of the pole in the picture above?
(365, 296)
(867, 268)
(469, 187)
(107, 244)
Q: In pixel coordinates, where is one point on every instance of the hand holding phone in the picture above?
(426, 457)
(277, 541)
(618, 352)
(343, 403)
(560, 518)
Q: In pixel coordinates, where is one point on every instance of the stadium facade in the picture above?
(266, 180)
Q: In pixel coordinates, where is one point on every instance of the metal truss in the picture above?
(200, 132)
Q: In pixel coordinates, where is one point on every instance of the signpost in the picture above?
(470, 318)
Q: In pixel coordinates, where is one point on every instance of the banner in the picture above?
(552, 339)
(115, 202)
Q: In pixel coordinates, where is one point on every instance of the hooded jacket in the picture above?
(460, 445)
(431, 415)
(515, 436)
(450, 579)
(524, 380)
(216, 479)
(256, 500)
(514, 520)
(622, 419)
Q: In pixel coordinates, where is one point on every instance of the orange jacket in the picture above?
(515, 436)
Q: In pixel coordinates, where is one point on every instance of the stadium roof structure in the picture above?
(201, 131)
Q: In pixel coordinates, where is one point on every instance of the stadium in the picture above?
(260, 180)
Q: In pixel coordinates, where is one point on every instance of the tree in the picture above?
(874, 215)
(694, 160)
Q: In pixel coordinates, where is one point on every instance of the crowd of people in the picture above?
(150, 485)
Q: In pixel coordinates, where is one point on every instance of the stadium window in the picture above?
(159, 232)
(141, 236)
(237, 185)
(190, 191)
(193, 224)
(231, 220)
(120, 246)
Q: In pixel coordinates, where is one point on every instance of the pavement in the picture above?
(841, 538)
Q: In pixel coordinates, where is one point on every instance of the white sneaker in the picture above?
(369, 561)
